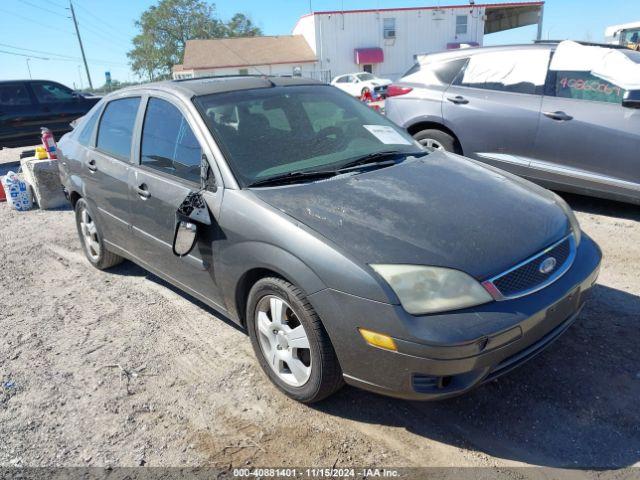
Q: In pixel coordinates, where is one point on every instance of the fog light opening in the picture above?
(445, 381)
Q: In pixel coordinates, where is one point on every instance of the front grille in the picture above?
(528, 277)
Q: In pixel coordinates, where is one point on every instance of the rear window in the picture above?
(88, 126)
(116, 127)
(435, 72)
(586, 86)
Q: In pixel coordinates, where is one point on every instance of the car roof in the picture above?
(219, 84)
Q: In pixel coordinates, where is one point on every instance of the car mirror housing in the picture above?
(631, 99)
(185, 237)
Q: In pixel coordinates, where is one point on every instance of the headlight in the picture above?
(424, 289)
(573, 221)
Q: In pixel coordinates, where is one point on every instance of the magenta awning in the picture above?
(369, 55)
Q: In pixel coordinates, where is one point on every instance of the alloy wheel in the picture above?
(283, 340)
(89, 235)
(430, 142)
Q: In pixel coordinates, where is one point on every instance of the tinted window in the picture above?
(168, 143)
(116, 127)
(446, 72)
(325, 130)
(88, 126)
(52, 93)
(585, 86)
(14, 94)
(517, 71)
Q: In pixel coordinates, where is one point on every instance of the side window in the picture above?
(585, 86)
(52, 93)
(168, 143)
(116, 127)
(344, 79)
(461, 24)
(435, 73)
(515, 71)
(14, 94)
(88, 127)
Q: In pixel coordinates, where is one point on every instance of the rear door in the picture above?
(19, 115)
(493, 105)
(170, 154)
(107, 167)
(586, 137)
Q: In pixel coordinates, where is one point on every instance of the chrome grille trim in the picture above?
(495, 292)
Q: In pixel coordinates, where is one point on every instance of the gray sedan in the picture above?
(532, 111)
(347, 251)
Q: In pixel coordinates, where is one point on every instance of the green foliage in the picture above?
(166, 27)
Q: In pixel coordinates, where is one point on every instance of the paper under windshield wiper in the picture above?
(293, 177)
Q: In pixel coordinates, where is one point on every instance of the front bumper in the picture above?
(445, 355)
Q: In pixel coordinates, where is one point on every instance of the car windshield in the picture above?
(271, 132)
(365, 77)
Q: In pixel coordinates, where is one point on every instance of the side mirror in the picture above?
(207, 178)
(631, 99)
(185, 238)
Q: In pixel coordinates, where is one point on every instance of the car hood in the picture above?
(439, 210)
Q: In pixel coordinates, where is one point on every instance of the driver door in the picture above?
(170, 155)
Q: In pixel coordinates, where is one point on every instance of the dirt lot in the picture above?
(121, 369)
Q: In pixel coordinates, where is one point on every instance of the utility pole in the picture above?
(84, 59)
(29, 68)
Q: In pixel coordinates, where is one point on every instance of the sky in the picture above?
(38, 35)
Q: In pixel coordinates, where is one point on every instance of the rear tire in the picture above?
(290, 341)
(437, 139)
(91, 238)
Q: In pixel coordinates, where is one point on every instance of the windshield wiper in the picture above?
(379, 159)
(293, 177)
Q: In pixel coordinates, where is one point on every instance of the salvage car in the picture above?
(358, 84)
(564, 115)
(347, 251)
(28, 105)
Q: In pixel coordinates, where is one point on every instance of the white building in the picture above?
(385, 41)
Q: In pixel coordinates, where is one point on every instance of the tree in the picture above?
(166, 27)
(242, 26)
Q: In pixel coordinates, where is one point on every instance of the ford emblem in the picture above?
(548, 265)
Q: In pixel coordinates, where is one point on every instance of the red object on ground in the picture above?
(49, 143)
(366, 96)
(3, 196)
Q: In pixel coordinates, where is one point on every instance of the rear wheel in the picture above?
(437, 139)
(290, 341)
(91, 238)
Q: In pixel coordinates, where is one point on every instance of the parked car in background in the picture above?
(328, 233)
(566, 116)
(357, 84)
(27, 105)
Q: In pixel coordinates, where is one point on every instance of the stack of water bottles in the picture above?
(18, 192)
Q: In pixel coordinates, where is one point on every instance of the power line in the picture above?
(43, 8)
(30, 20)
(24, 55)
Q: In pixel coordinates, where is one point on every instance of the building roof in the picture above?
(245, 52)
(440, 7)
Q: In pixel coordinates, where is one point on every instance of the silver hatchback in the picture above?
(523, 109)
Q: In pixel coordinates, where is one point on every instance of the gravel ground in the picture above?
(120, 369)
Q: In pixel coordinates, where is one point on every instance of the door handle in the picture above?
(143, 191)
(559, 116)
(91, 165)
(458, 100)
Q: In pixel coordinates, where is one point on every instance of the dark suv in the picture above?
(27, 105)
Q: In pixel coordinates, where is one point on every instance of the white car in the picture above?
(356, 83)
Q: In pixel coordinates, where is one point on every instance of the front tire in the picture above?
(91, 238)
(290, 341)
(437, 139)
